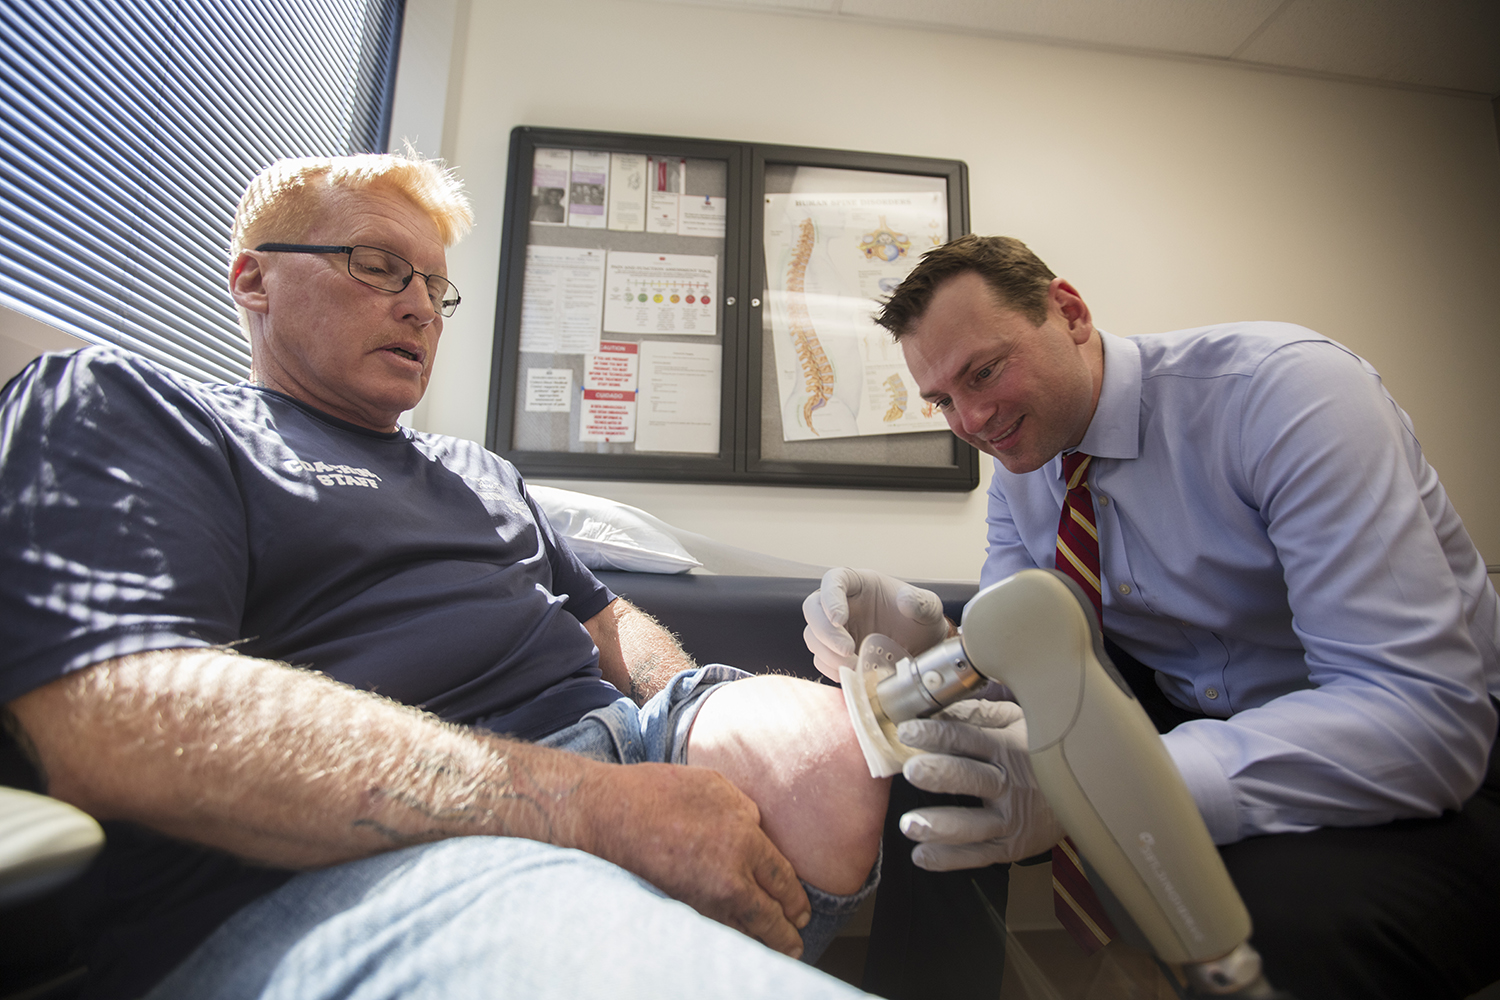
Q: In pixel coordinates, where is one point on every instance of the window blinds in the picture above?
(129, 129)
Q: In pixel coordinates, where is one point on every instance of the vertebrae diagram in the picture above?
(884, 244)
(897, 388)
(817, 373)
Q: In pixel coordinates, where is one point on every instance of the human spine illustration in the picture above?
(897, 388)
(817, 373)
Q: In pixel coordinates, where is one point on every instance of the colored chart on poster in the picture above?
(651, 293)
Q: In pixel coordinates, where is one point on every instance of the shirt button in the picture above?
(1123, 588)
(1212, 693)
(1103, 500)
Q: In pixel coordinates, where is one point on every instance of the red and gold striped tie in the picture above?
(1073, 899)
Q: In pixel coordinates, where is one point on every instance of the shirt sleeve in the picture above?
(586, 595)
(121, 529)
(1005, 552)
(1397, 721)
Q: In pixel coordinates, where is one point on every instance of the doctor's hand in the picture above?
(852, 603)
(975, 748)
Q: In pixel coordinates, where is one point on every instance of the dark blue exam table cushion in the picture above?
(751, 622)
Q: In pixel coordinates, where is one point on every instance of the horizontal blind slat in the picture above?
(123, 164)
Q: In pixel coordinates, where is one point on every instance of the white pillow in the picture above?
(609, 535)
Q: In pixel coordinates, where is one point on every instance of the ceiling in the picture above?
(1449, 46)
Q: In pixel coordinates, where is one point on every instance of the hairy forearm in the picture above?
(636, 654)
(284, 766)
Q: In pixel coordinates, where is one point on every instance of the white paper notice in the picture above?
(613, 366)
(549, 390)
(549, 187)
(679, 398)
(664, 180)
(701, 216)
(627, 192)
(588, 189)
(660, 293)
(563, 299)
(607, 416)
(609, 377)
(661, 212)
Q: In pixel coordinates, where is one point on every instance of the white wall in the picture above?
(1172, 193)
(23, 337)
(426, 75)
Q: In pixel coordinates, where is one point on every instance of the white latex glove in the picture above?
(852, 603)
(977, 748)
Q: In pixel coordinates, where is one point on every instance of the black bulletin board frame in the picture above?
(946, 464)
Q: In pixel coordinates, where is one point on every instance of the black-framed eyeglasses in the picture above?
(381, 269)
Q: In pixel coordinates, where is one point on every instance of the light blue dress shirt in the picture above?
(1274, 544)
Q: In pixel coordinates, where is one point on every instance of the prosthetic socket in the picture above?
(1096, 756)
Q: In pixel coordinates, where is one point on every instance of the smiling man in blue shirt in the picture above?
(1285, 584)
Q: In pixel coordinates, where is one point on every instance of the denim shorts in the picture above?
(626, 733)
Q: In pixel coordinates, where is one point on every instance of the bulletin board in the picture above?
(699, 310)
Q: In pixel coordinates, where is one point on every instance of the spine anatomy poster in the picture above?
(830, 259)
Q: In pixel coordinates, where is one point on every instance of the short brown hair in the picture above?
(1007, 265)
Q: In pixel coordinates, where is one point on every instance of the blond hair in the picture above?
(283, 199)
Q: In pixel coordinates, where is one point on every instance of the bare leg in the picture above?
(789, 745)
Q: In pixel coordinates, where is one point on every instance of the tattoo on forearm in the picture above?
(401, 838)
(469, 813)
(474, 805)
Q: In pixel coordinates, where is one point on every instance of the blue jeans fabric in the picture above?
(476, 917)
(624, 733)
(508, 917)
(656, 732)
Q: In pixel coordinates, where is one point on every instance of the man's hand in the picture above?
(191, 742)
(976, 748)
(692, 834)
(852, 603)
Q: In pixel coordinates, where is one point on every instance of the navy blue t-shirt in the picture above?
(140, 510)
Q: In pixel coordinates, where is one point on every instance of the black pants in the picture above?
(1407, 910)
(933, 935)
(1410, 909)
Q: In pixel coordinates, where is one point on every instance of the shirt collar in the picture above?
(1115, 431)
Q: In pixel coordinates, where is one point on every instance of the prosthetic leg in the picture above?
(1097, 758)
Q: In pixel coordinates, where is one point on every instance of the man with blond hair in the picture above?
(220, 603)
